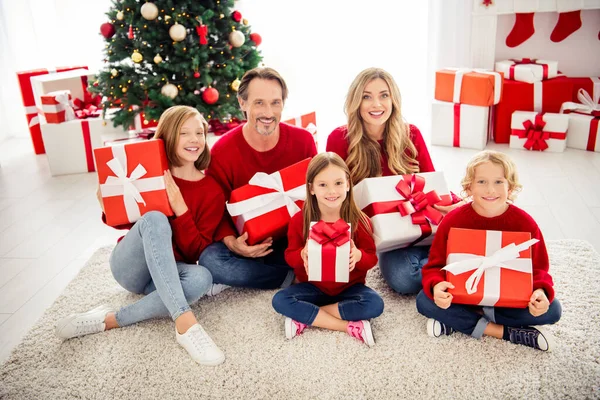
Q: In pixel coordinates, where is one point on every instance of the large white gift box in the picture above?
(459, 125)
(539, 132)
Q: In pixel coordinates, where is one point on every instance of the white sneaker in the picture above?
(216, 288)
(83, 324)
(200, 346)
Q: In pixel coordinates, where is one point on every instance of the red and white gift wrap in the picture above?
(329, 252)
(306, 121)
(528, 70)
(478, 87)
(459, 125)
(57, 107)
(75, 81)
(264, 206)
(401, 208)
(584, 121)
(31, 110)
(589, 84)
(490, 268)
(131, 180)
(540, 132)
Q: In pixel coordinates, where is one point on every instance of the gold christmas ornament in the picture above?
(221, 16)
(177, 32)
(120, 15)
(237, 38)
(245, 21)
(167, 17)
(124, 90)
(149, 11)
(137, 57)
(114, 72)
(157, 59)
(169, 90)
(235, 85)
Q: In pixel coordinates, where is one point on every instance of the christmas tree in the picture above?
(171, 52)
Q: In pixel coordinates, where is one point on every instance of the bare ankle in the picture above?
(184, 322)
(110, 321)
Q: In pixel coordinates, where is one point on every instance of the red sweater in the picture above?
(193, 231)
(513, 219)
(234, 162)
(362, 240)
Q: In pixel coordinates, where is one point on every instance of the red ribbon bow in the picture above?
(534, 132)
(416, 203)
(88, 107)
(202, 31)
(219, 128)
(336, 233)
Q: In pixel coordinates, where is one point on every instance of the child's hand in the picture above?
(446, 209)
(441, 297)
(174, 194)
(538, 303)
(99, 196)
(304, 255)
(355, 255)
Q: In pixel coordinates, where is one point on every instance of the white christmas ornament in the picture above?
(177, 32)
(237, 38)
(169, 90)
(149, 11)
(120, 15)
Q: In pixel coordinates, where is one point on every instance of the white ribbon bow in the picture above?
(64, 103)
(501, 258)
(458, 77)
(586, 104)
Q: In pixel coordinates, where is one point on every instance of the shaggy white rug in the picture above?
(145, 362)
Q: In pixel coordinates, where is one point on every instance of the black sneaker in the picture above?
(436, 329)
(531, 337)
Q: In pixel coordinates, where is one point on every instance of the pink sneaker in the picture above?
(293, 328)
(361, 330)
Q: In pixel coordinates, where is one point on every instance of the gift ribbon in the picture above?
(592, 137)
(88, 106)
(511, 71)
(259, 205)
(130, 187)
(499, 258)
(535, 134)
(87, 143)
(64, 103)
(312, 128)
(456, 139)
(328, 239)
(586, 104)
(458, 78)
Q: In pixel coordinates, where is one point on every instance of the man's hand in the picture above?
(239, 246)
(441, 297)
(538, 303)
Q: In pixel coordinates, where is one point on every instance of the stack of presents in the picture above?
(526, 103)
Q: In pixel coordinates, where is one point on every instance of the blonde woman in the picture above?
(377, 142)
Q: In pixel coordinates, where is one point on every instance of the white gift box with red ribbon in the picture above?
(528, 70)
(584, 121)
(329, 252)
(75, 81)
(539, 132)
(459, 125)
(401, 208)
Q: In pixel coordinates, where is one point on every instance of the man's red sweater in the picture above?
(362, 240)
(234, 162)
(512, 220)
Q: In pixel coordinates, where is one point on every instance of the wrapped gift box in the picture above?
(57, 107)
(264, 206)
(541, 132)
(31, 111)
(75, 81)
(528, 70)
(132, 181)
(329, 251)
(584, 118)
(146, 123)
(467, 86)
(490, 268)
(306, 121)
(401, 208)
(69, 145)
(546, 96)
(590, 84)
(459, 125)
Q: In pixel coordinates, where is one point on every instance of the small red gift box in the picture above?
(131, 180)
(329, 251)
(57, 106)
(264, 206)
(306, 121)
(489, 268)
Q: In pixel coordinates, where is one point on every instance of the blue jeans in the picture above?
(301, 302)
(228, 268)
(401, 268)
(143, 262)
(466, 319)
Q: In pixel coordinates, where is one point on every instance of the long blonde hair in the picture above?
(349, 211)
(495, 157)
(364, 153)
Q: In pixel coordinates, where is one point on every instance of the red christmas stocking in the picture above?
(522, 30)
(568, 22)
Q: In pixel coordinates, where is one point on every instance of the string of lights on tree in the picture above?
(170, 52)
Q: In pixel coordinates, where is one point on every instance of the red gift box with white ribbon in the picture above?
(329, 251)
(57, 107)
(264, 206)
(131, 180)
(539, 132)
(527, 69)
(306, 121)
(401, 208)
(584, 121)
(489, 268)
(31, 110)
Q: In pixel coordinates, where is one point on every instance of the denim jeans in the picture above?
(401, 268)
(466, 319)
(143, 262)
(301, 302)
(228, 268)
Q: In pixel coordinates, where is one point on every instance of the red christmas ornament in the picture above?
(236, 16)
(210, 95)
(202, 31)
(196, 74)
(255, 37)
(130, 34)
(107, 30)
